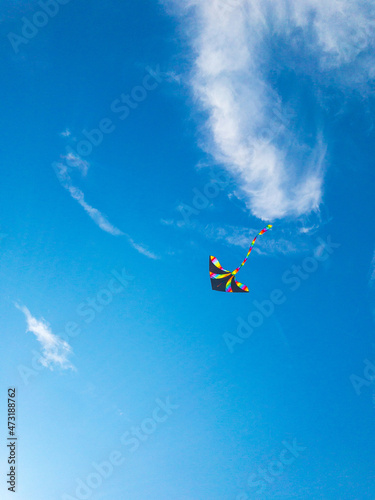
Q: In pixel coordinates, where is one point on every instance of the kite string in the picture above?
(264, 230)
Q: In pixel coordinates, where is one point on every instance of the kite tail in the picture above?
(267, 228)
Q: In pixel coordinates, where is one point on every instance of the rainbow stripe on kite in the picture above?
(223, 280)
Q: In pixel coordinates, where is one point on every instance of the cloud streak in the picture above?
(66, 133)
(141, 249)
(62, 172)
(94, 213)
(55, 351)
(372, 271)
(249, 128)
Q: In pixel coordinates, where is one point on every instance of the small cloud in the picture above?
(306, 230)
(66, 133)
(55, 350)
(62, 172)
(167, 222)
(172, 223)
(141, 249)
(94, 213)
(372, 270)
(242, 236)
(74, 160)
(318, 252)
(285, 243)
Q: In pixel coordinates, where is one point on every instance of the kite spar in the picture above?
(222, 280)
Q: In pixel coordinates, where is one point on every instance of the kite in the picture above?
(222, 280)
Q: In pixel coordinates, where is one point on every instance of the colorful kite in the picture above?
(222, 280)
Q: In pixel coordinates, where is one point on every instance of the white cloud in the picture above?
(266, 244)
(62, 172)
(278, 241)
(94, 213)
(141, 249)
(75, 161)
(66, 133)
(249, 129)
(55, 350)
(372, 270)
(172, 222)
(306, 230)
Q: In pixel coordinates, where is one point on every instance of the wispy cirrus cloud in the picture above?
(55, 351)
(94, 213)
(66, 133)
(141, 249)
(279, 241)
(283, 243)
(74, 161)
(249, 128)
(372, 271)
(62, 172)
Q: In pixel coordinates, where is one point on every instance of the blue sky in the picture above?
(137, 139)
